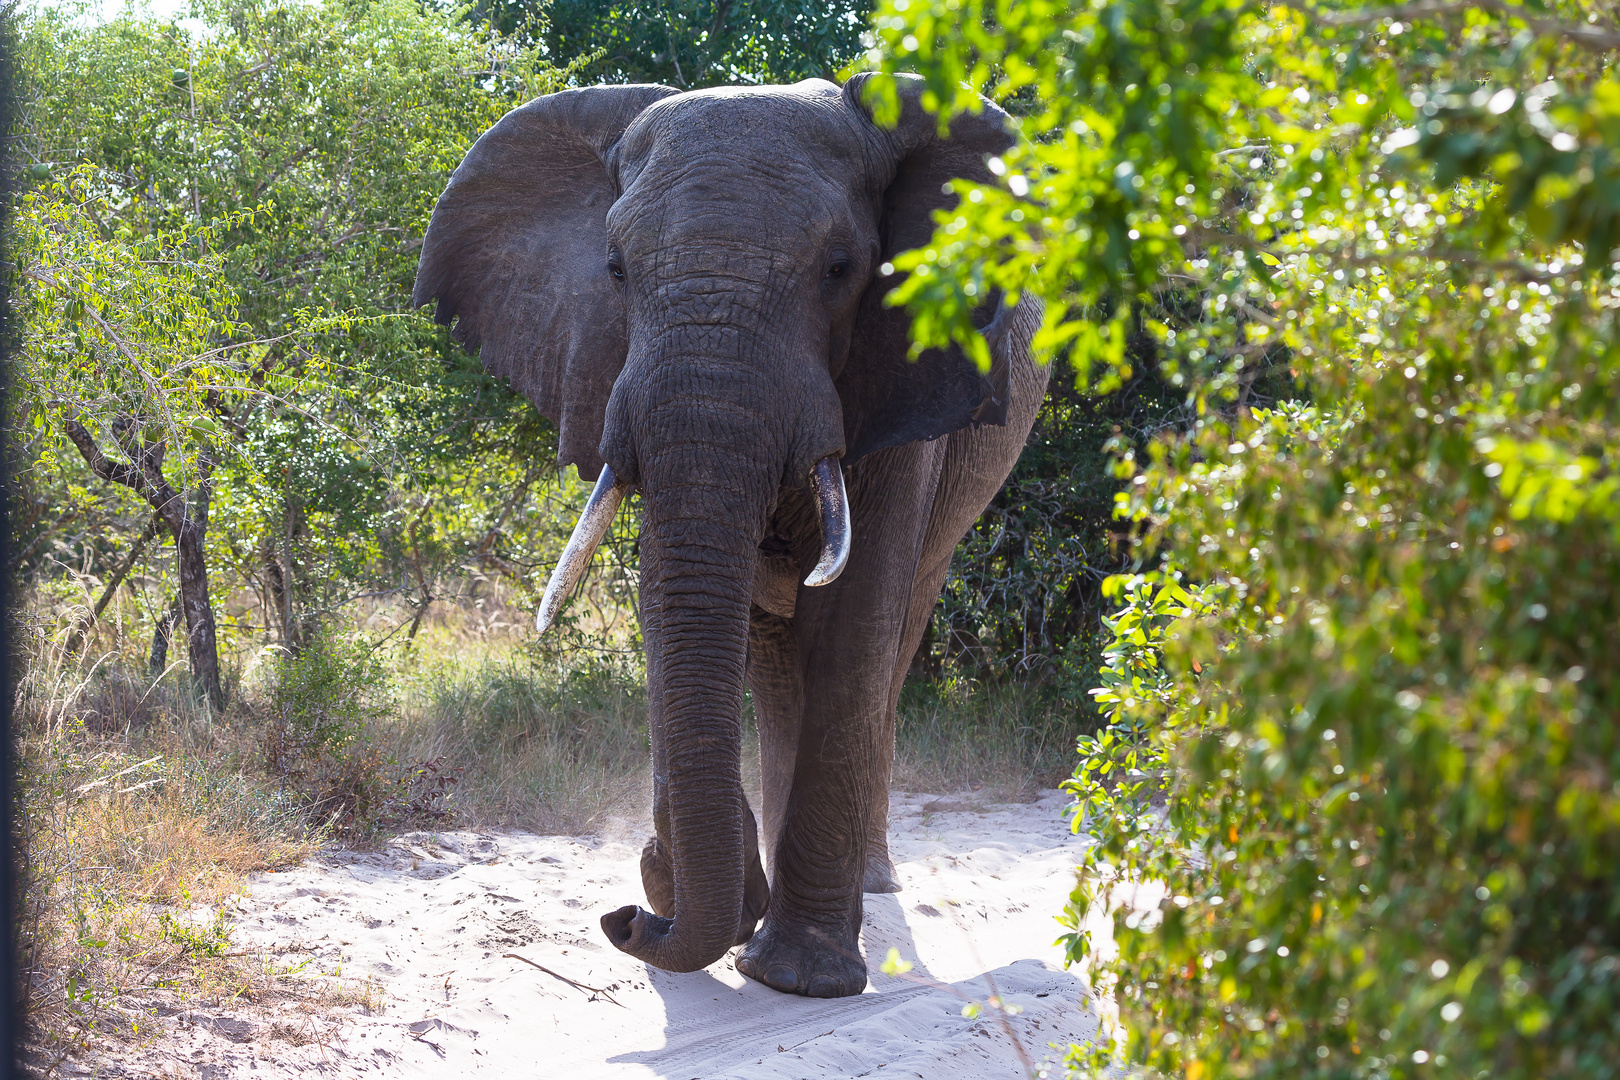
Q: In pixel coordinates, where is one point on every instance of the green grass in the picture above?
(537, 746)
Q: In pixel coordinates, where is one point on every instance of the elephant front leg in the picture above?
(847, 636)
(658, 871)
(810, 940)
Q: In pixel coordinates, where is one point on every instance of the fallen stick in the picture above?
(564, 978)
(780, 1049)
(121, 772)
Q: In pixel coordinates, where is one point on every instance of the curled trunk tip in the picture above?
(649, 936)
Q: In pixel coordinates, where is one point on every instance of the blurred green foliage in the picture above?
(1358, 803)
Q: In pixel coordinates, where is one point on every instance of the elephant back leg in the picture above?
(776, 683)
(976, 464)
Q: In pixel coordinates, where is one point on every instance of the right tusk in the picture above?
(827, 481)
(594, 522)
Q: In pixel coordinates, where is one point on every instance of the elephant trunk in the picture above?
(704, 507)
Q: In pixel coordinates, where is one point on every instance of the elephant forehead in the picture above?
(712, 210)
(799, 132)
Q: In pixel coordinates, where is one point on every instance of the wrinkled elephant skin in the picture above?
(691, 286)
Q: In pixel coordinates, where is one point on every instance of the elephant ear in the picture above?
(889, 399)
(516, 252)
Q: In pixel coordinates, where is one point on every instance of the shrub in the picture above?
(1362, 710)
(324, 704)
(1021, 601)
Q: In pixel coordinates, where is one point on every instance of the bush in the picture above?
(324, 705)
(1362, 710)
(1021, 601)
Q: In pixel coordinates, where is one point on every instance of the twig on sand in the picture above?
(564, 978)
(780, 1049)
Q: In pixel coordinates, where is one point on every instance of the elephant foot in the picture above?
(806, 961)
(879, 876)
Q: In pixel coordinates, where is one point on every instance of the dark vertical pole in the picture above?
(10, 1021)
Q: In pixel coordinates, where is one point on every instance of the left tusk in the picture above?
(827, 481)
(576, 557)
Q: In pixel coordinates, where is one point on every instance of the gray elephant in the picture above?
(691, 286)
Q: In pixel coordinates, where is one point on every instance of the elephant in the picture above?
(691, 286)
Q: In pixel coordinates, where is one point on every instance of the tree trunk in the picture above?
(297, 628)
(421, 576)
(201, 648)
(278, 609)
(187, 521)
(162, 634)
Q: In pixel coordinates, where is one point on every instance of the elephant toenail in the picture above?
(745, 965)
(781, 977)
(823, 986)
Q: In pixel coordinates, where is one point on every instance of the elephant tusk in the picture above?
(828, 483)
(576, 557)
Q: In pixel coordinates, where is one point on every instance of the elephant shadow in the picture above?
(708, 1019)
(884, 927)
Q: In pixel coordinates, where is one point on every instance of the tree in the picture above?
(127, 339)
(690, 43)
(340, 124)
(1363, 667)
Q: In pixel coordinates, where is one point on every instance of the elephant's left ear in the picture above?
(889, 399)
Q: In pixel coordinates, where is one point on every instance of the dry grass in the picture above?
(143, 812)
(140, 816)
(1007, 742)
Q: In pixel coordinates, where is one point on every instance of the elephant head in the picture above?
(690, 286)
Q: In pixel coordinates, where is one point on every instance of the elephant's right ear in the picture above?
(889, 399)
(516, 252)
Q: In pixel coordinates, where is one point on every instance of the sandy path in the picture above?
(433, 916)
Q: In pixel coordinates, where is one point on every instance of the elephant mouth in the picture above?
(832, 506)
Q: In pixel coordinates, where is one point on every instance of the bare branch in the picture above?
(117, 472)
(149, 484)
(117, 579)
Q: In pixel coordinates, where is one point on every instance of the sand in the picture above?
(443, 931)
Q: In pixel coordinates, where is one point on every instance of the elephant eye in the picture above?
(838, 269)
(615, 266)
